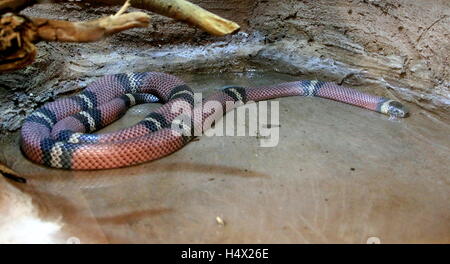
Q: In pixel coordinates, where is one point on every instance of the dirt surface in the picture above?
(355, 174)
(339, 174)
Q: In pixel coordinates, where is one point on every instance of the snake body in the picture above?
(58, 134)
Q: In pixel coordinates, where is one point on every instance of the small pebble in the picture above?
(220, 221)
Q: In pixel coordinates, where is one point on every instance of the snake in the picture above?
(60, 134)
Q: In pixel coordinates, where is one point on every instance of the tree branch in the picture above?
(181, 10)
(88, 31)
(18, 34)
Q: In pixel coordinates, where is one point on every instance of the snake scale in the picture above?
(59, 134)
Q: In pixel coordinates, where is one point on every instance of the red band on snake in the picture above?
(59, 135)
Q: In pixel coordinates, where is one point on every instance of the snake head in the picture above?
(395, 109)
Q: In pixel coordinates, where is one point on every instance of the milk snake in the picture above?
(58, 134)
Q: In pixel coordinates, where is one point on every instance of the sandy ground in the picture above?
(340, 174)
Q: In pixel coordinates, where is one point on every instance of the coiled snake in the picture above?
(58, 134)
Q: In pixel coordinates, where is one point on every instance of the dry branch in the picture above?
(88, 31)
(182, 10)
(178, 9)
(18, 34)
